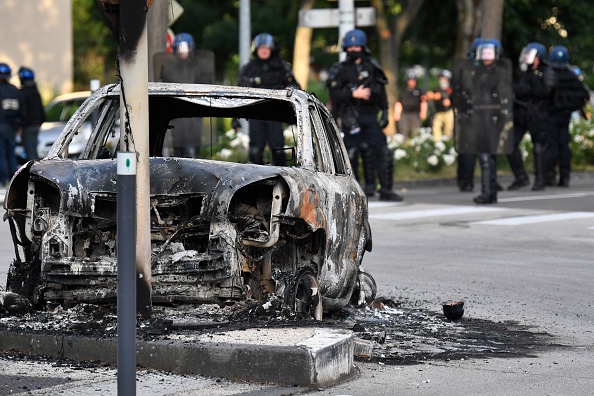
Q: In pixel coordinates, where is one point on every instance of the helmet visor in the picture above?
(264, 40)
(528, 55)
(486, 52)
(183, 48)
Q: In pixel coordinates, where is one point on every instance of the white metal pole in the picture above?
(346, 12)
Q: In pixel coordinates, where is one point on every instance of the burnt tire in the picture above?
(365, 290)
(303, 296)
(23, 278)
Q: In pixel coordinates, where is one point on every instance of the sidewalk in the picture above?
(47, 378)
(278, 360)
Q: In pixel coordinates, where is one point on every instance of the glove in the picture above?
(383, 121)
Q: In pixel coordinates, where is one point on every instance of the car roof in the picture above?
(71, 96)
(157, 88)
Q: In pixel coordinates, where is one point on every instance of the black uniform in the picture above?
(271, 73)
(34, 118)
(197, 68)
(568, 95)
(12, 114)
(359, 123)
(531, 112)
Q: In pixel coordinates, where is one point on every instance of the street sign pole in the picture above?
(345, 17)
(126, 248)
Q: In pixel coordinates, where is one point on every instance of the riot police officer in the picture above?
(465, 161)
(569, 95)
(185, 65)
(35, 112)
(12, 114)
(483, 111)
(531, 111)
(358, 93)
(266, 70)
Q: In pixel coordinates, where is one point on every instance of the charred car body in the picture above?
(220, 231)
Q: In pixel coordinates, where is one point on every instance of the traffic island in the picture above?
(304, 356)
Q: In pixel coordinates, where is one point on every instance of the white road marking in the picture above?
(543, 197)
(384, 204)
(449, 211)
(522, 220)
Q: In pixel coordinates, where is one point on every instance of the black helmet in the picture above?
(5, 71)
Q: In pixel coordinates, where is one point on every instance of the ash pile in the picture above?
(385, 331)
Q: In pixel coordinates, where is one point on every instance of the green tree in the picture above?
(94, 49)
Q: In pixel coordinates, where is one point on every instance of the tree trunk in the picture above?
(302, 49)
(492, 19)
(157, 32)
(399, 25)
(387, 60)
(469, 24)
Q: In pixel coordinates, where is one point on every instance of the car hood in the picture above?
(81, 182)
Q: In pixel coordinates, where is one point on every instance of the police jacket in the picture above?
(533, 88)
(35, 114)
(344, 77)
(271, 73)
(12, 108)
(569, 93)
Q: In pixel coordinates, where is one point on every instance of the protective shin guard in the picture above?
(539, 179)
(279, 158)
(516, 164)
(368, 169)
(386, 175)
(255, 155)
(488, 180)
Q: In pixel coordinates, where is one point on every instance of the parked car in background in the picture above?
(221, 231)
(58, 112)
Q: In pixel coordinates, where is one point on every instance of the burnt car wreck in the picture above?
(221, 231)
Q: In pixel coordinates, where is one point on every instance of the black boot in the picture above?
(550, 178)
(466, 163)
(488, 180)
(256, 155)
(539, 179)
(385, 171)
(517, 166)
(563, 179)
(521, 180)
(368, 160)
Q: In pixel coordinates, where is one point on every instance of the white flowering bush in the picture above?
(233, 146)
(230, 146)
(422, 153)
(582, 142)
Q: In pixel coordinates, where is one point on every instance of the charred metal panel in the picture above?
(219, 230)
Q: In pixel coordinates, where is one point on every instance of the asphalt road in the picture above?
(526, 260)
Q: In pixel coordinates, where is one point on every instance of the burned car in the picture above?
(221, 231)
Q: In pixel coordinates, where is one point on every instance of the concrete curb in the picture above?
(316, 357)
